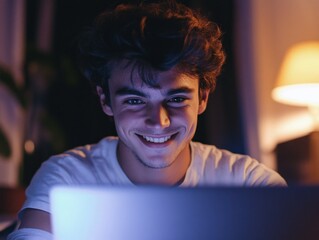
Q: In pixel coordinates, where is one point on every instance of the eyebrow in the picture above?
(180, 90)
(129, 91)
(132, 91)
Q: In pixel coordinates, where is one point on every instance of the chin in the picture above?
(157, 164)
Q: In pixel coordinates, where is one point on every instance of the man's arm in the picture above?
(35, 224)
(34, 218)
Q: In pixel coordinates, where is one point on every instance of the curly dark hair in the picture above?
(152, 37)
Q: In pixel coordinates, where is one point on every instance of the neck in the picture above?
(140, 174)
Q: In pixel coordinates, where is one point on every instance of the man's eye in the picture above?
(134, 101)
(177, 100)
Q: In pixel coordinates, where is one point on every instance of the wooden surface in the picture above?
(11, 200)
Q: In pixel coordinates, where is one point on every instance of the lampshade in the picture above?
(298, 79)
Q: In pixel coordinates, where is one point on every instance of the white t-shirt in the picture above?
(97, 165)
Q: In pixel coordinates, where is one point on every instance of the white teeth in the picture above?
(156, 140)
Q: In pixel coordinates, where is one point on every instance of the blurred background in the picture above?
(47, 107)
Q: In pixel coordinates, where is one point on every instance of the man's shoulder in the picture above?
(214, 160)
(204, 151)
(87, 153)
(225, 167)
(104, 145)
(80, 164)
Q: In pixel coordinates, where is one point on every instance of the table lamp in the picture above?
(298, 84)
(298, 79)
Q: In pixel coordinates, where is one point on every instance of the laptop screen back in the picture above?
(158, 213)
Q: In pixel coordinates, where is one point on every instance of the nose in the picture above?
(157, 117)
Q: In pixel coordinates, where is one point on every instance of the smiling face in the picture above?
(154, 125)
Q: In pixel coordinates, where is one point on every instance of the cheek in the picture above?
(126, 118)
(123, 117)
(186, 117)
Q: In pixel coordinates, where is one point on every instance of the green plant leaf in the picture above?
(7, 79)
(5, 149)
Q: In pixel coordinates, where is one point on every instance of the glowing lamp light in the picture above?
(29, 146)
(298, 79)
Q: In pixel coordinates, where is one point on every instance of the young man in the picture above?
(153, 67)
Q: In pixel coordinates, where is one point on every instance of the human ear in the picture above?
(105, 106)
(203, 99)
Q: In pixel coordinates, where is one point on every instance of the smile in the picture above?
(156, 139)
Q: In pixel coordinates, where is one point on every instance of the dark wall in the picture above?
(221, 124)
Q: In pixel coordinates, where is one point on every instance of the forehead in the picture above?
(128, 75)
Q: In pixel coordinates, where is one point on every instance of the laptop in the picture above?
(160, 213)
